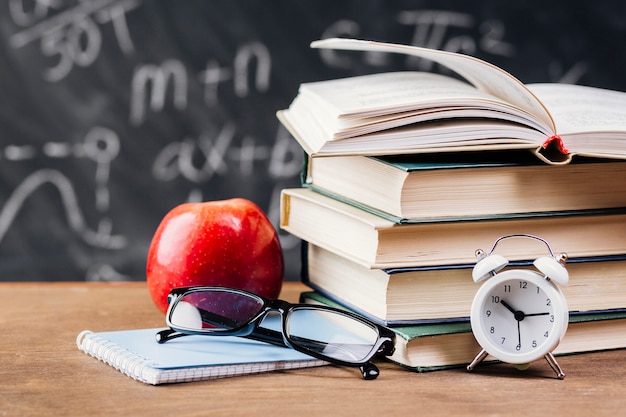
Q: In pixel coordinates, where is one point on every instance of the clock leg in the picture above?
(481, 355)
(554, 365)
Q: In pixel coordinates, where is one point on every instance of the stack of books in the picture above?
(408, 174)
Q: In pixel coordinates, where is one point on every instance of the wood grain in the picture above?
(43, 373)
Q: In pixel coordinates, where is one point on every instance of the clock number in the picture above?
(551, 318)
(495, 299)
(507, 288)
(518, 347)
(534, 344)
(523, 284)
(503, 339)
(545, 334)
(548, 302)
(492, 330)
(488, 313)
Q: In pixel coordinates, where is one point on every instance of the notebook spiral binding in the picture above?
(129, 363)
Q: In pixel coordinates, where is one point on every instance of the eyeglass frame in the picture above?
(252, 329)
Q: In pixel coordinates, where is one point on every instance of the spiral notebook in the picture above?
(192, 358)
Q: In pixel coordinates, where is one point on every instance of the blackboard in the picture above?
(112, 112)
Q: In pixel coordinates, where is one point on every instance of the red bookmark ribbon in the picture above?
(556, 140)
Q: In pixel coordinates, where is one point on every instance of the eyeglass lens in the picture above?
(216, 310)
(332, 334)
(328, 333)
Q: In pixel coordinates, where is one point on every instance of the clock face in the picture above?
(519, 316)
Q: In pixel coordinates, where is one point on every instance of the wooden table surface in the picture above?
(43, 373)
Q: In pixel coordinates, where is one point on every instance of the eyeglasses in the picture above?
(325, 333)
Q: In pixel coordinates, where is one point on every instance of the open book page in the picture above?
(449, 136)
(393, 92)
(580, 109)
(357, 106)
(590, 120)
(481, 74)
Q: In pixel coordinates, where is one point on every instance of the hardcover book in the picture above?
(406, 296)
(464, 184)
(435, 346)
(377, 242)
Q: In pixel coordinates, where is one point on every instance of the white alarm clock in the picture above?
(519, 315)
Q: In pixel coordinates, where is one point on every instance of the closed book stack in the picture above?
(393, 237)
(414, 274)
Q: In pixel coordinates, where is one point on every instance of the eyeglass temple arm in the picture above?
(368, 370)
(261, 334)
(371, 371)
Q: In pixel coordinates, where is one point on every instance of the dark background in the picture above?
(112, 112)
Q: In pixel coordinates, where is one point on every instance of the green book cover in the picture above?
(436, 328)
(448, 344)
(450, 161)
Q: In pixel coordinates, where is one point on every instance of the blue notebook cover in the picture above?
(192, 358)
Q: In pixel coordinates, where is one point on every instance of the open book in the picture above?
(417, 112)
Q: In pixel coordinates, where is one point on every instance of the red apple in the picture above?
(228, 243)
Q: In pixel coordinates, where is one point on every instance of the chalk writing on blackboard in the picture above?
(431, 29)
(150, 83)
(104, 78)
(100, 145)
(72, 36)
(440, 29)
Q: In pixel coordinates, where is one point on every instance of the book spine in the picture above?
(119, 358)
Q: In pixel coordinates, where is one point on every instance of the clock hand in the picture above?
(519, 315)
(537, 314)
(508, 307)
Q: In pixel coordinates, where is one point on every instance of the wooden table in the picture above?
(43, 373)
